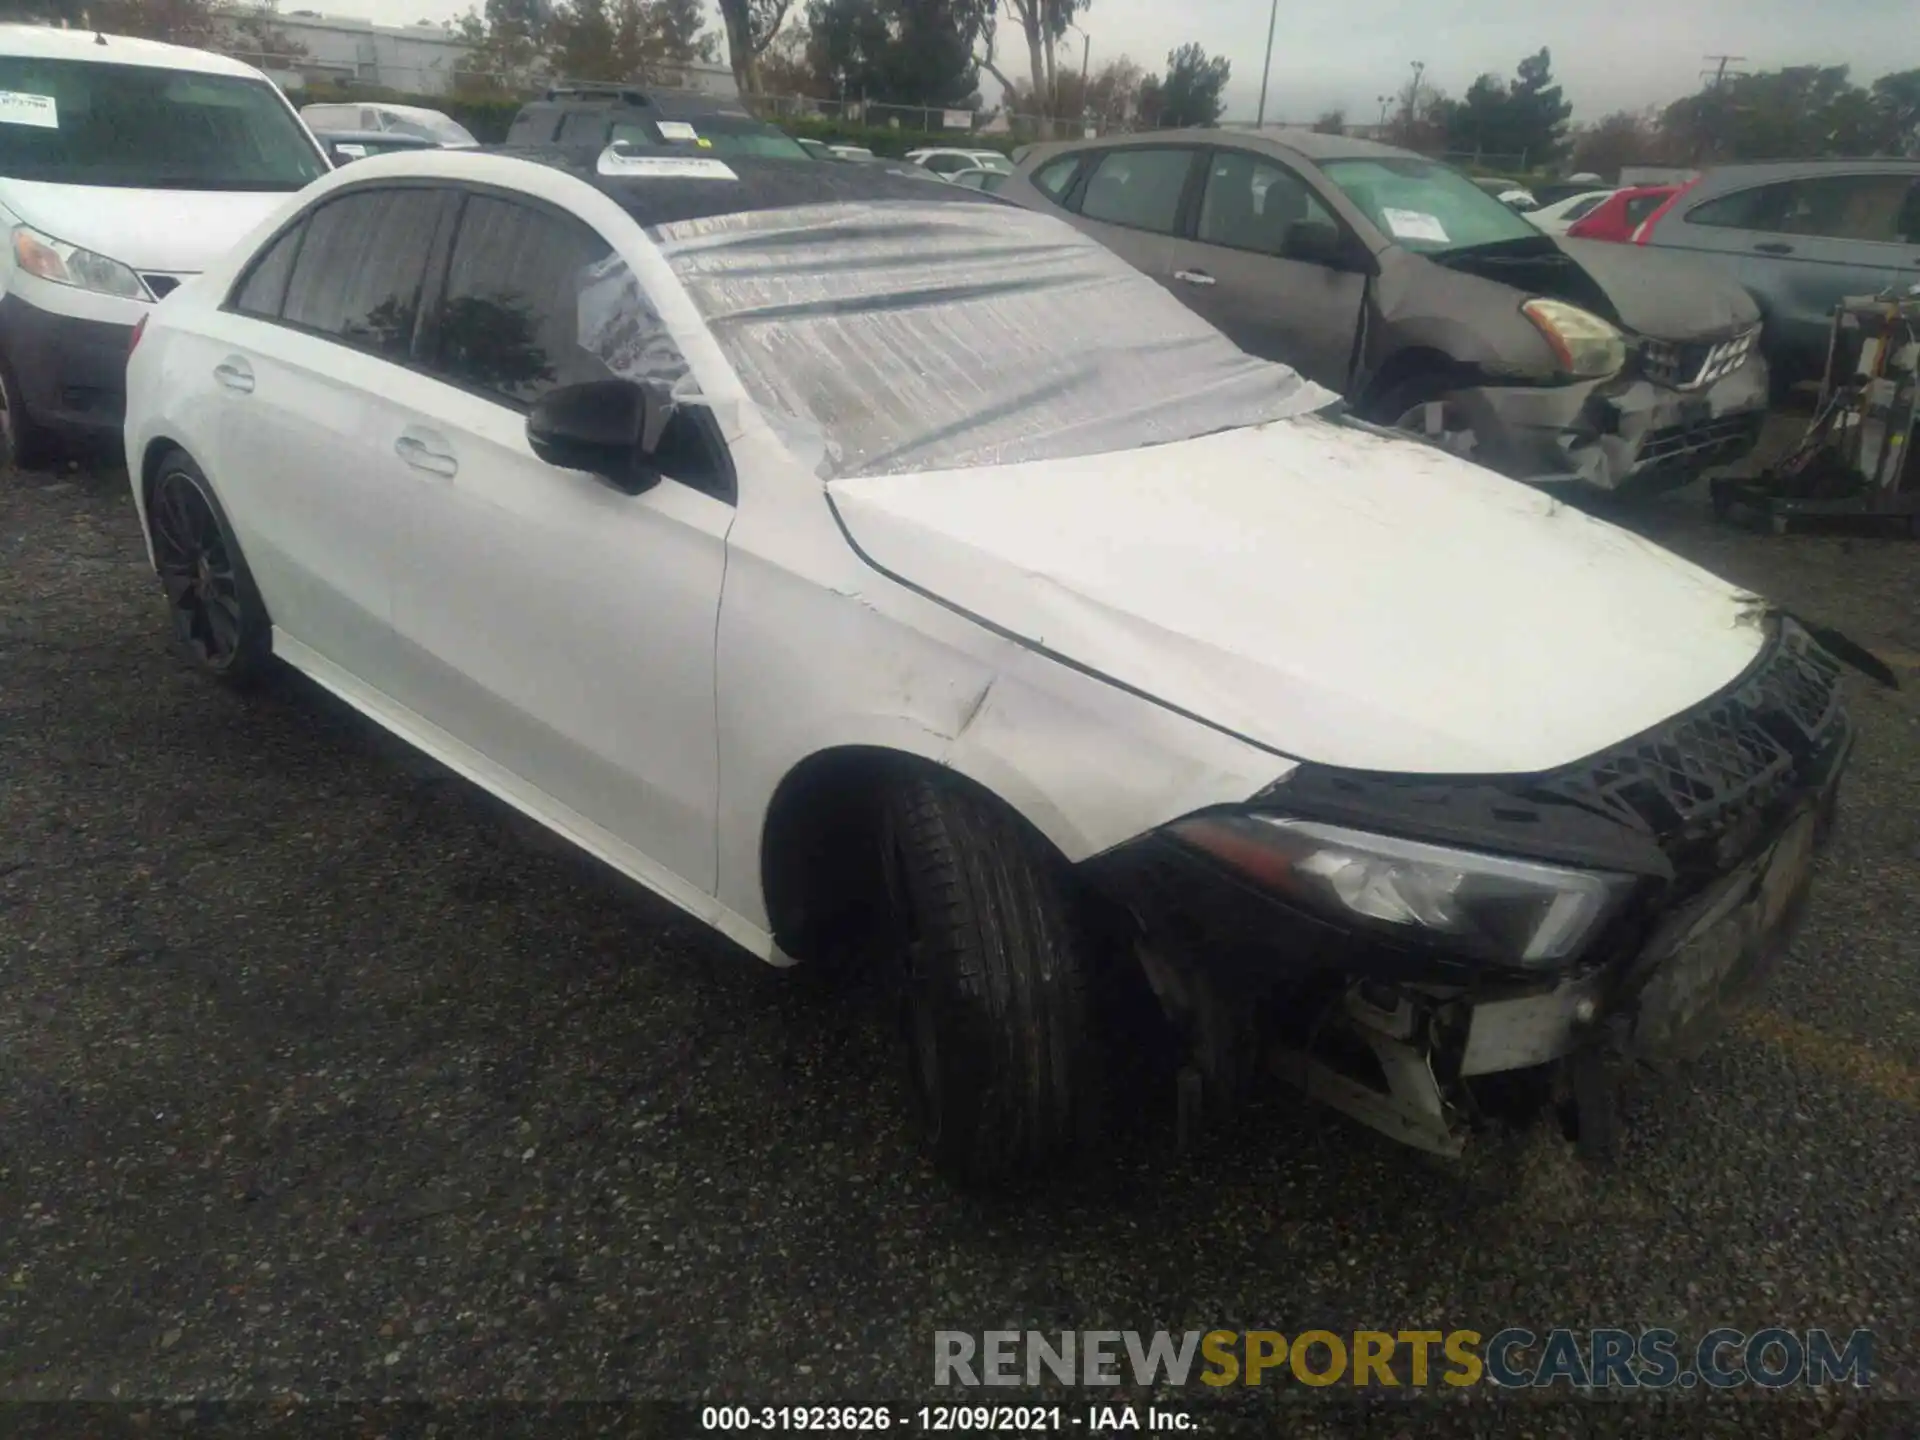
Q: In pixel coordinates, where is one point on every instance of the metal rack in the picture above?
(1855, 459)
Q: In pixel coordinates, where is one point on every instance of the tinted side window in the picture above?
(1139, 188)
(1252, 203)
(948, 164)
(531, 127)
(583, 128)
(1851, 207)
(1053, 177)
(1641, 206)
(1760, 208)
(359, 274)
(1577, 210)
(511, 321)
(264, 288)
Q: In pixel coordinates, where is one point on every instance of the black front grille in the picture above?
(1690, 365)
(1727, 438)
(1762, 737)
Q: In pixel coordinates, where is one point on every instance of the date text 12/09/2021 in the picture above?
(948, 1419)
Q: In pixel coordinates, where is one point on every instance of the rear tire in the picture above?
(220, 623)
(989, 962)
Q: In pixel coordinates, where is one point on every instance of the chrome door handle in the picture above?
(423, 456)
(234, 375)
(1195, 277)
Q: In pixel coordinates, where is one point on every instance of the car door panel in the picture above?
(1303, 315)
(1801, 246)
(559, 626)
(1130, 201)
(299, 392)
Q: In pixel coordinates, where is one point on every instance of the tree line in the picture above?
(935, 53)
(1798, 112)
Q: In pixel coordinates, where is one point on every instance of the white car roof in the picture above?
(44, 42)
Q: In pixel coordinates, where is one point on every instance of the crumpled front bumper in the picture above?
(1624, 433)
(1721, 812)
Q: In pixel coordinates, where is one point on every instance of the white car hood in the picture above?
(1325, 591)
(178, 232)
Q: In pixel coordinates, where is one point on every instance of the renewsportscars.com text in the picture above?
(1655, 1359)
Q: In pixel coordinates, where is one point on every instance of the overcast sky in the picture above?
(1608, 54)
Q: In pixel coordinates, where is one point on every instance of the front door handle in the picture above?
(1773, 247)
(1195, 277)
(234, 374)
(426, 452)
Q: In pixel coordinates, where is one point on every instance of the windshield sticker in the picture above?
(665, 167)
(39, 111)
(1414, 225)
(677, 130)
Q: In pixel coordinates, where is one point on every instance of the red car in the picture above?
(1620, 214)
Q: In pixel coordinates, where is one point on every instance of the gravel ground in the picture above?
(323, 1076)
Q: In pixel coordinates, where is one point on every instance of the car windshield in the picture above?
(78, 123)
(907, 335)
(732, 135)
(440, 129)
(1424, 206)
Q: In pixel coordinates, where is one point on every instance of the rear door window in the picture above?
(1053, 178)
(1639, 207)
(1140, 189)
(583, 128)
(532, 128)
(360, 271)
(263, 289)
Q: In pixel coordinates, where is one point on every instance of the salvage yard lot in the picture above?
(324, 1075)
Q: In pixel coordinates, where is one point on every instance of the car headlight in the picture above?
(66, 264)
(1494, 907)
(1583, 343)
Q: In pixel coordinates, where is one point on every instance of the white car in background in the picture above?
(1558, 217)
(1123, 662)
(379, 116)
(126, 168)
(949, 162)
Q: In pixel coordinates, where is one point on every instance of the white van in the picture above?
(126, 167)
(378, 117)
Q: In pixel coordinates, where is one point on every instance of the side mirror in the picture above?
(1314, 242)
(604, 427)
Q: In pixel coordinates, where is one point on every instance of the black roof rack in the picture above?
(597, 89)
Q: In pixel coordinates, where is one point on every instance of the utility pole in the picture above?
(1719, 72)
(1273, 17)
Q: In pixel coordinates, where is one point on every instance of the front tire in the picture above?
(1418, 408)
(220, 624)
(990, 964)
(23, 444)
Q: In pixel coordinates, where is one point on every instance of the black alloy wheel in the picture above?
(218, 621)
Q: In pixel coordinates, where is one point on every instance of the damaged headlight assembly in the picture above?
(1585, 346)
(1492, 907)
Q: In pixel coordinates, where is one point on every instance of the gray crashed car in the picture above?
(1800, 235)
(1429, 304)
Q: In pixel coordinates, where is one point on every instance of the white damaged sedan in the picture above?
(878, 570)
